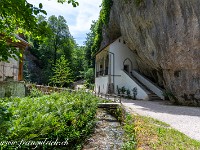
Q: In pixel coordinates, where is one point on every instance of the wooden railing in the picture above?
(102, 73)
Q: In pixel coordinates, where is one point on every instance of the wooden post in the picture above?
(20, 73)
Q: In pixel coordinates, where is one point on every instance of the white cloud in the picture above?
(79, 19)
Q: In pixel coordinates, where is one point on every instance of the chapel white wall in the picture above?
(128, 83)
(101, 82)
(121, 53)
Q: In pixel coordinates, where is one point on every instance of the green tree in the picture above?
(89, 75)
(78, 62)
(102, 21)
(62, 72)
(56, 42)
(88, 46)
(94, 39)
(19, 17)
(59, 36)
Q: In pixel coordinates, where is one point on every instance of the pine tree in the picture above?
(62, 72)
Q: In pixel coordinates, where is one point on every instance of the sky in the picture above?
(79, 19)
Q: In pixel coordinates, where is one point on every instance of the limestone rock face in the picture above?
(165, 35)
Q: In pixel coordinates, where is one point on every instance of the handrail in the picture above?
(149, 84)
(131, 82)
(147, 79)
(137, 81)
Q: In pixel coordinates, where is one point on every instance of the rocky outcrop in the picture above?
(165, 35)
(32, 68)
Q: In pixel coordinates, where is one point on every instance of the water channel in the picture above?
(108, 134)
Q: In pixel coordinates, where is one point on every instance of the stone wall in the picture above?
(45, 89)
(12, 88)
(20, 89)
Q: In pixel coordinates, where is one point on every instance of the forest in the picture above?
(58, 60)
(53, 57)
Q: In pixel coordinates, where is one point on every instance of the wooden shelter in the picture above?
(13, 70)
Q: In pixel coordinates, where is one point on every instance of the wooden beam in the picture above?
(21, 61)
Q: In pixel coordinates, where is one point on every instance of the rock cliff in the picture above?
(165, 35)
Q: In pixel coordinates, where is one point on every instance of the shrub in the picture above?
(118, 90)
(128, 93)
(123, 90)
(34, 92)
(134, 92)
(61, 116)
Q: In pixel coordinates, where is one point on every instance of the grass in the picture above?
(147, 133)
(101, 100)
(106, 100)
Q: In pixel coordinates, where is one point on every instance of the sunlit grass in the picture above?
(147, 133)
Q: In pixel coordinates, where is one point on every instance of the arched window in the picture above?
(128, 65)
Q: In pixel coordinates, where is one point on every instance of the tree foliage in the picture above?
(19, 17)
(102, 21)
(59, 35)
(78, 62)
(61, 72)
(89, 45)
(56, 42)
(89, 76)
(94, 39)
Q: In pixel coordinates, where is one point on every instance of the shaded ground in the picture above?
(185, 119)
(108, 133)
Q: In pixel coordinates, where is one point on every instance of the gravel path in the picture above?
(184, 119)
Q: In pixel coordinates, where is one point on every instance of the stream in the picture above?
(108, 133)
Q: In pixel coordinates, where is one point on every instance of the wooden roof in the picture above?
(21, 44)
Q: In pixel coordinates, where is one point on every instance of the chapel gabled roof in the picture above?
(105, 46)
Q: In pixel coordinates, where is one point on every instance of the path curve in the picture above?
(184, 119)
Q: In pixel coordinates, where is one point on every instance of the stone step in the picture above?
(153, 96)
(154, 99)
(108, 105)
